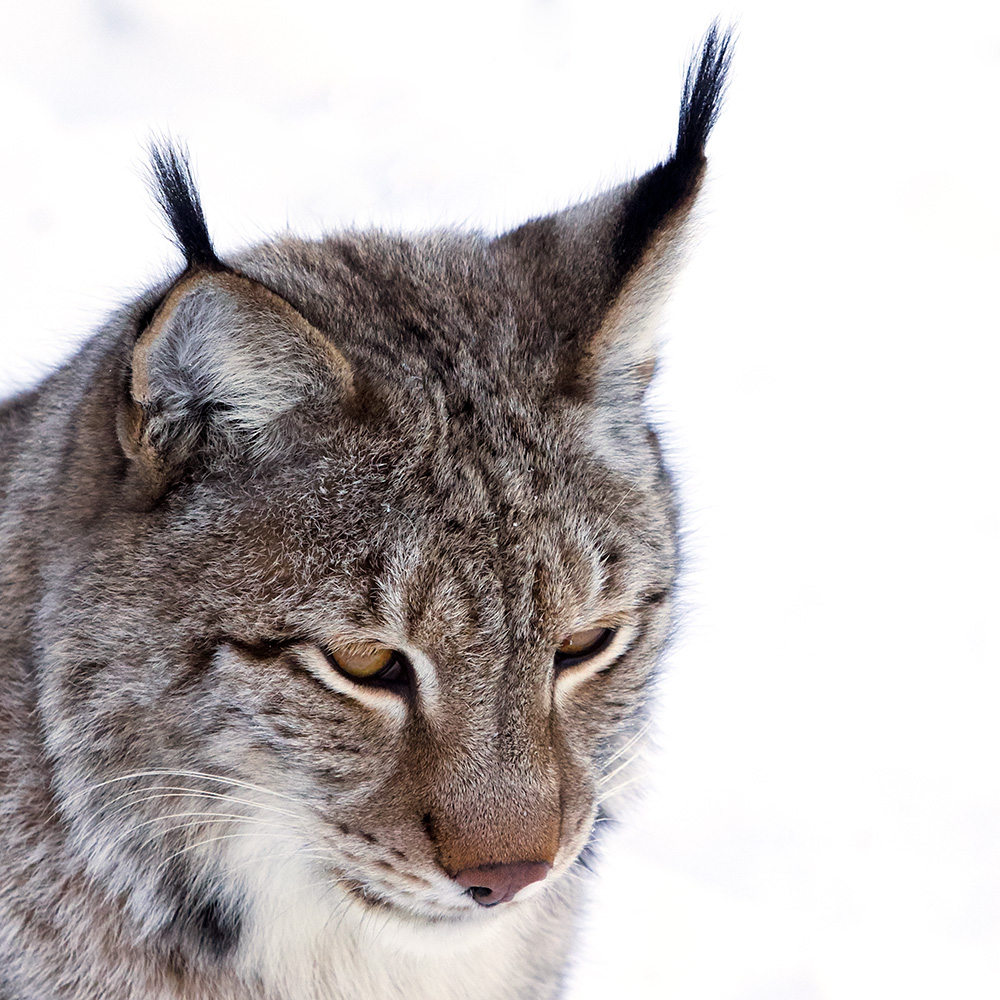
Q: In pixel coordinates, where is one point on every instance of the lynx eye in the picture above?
(368, 662)
(582, 645)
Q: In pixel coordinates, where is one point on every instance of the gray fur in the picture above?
(435, 442)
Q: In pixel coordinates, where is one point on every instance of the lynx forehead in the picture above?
(334, 575)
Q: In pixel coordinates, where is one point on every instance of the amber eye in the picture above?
(582, 645)
(368, 662)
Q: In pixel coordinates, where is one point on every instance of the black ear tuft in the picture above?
(666, 187)
(597, 270)
(704, 88)
(177, 196)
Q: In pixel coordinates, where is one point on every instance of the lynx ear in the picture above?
(599, 270)
(223, 359)
(219, 366)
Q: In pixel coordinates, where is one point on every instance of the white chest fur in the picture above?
(310, 940)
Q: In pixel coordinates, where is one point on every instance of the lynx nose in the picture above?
(492, 884)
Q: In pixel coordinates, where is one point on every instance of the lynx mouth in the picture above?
(363, 894)
(373, 901)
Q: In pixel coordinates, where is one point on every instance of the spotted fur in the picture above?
(433, 442)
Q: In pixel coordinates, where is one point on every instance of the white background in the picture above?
(823, 815)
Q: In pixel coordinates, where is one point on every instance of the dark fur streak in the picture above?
(427, 822)
(80, 674)
(329, 776)
(199, 663)
(218, 926)
(654, 598)
(202, 923)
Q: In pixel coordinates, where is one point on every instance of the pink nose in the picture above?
(492, 884)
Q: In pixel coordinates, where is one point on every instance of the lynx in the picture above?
(334, 575)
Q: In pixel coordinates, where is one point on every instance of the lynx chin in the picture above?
(334, 575)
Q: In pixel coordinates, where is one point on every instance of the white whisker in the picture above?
(180, 773)
(611, 792)
(206, 816)
(213, 840)
(621, 767)
(180, 792)
(628, 744)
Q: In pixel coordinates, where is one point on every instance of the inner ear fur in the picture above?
(222, 361)
(621, 351)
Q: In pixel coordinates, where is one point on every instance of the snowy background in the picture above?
(823, 814)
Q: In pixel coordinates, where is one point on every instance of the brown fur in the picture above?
(435, 443)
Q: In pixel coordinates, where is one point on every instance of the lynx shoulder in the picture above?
(333, 576)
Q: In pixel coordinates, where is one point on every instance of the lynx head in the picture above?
(374, 559)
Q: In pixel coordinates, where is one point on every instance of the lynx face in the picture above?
(423, 619)
(337, 574)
